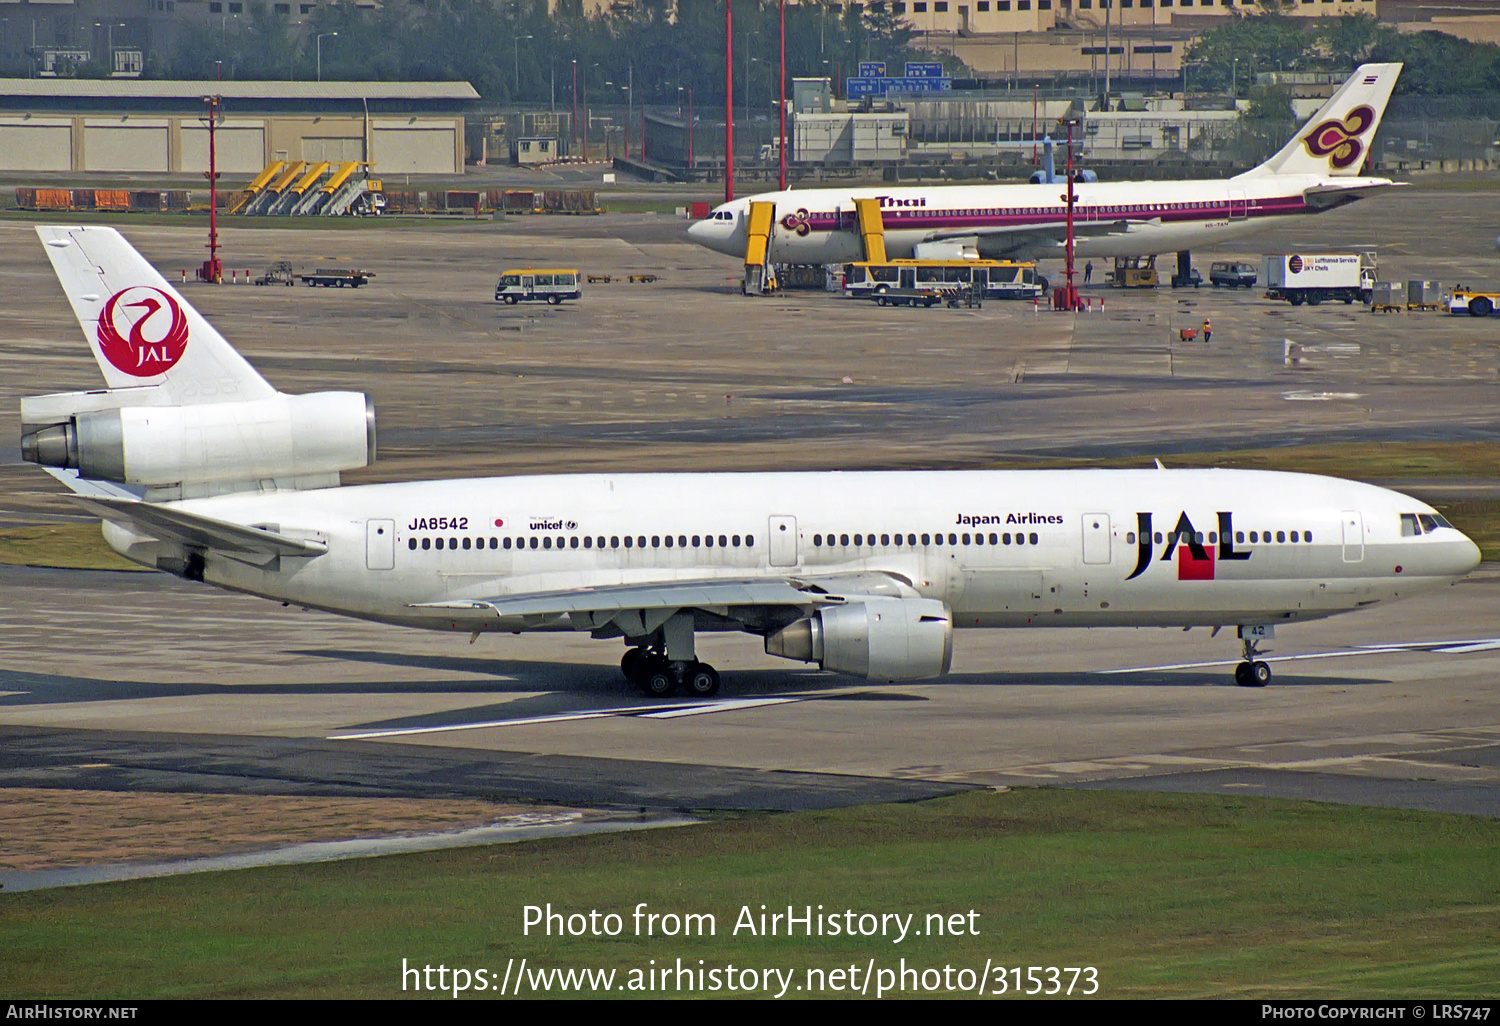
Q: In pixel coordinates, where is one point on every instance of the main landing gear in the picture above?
(1253, 672)
(658, 677)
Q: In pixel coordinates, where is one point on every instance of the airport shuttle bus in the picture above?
(552, 284)
(996, 279)
(200, 468)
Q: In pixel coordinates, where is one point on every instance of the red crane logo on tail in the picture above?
(1339, 140)
(142, 331)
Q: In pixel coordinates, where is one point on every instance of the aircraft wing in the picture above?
(639, 609)
(712, 594)
(1004, 241)
(1323, 197)
(168, 524)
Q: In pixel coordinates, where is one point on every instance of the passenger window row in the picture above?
(1256, 537)
(889, 540)
(655, 541)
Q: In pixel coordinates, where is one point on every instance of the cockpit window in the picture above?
(1413, 524)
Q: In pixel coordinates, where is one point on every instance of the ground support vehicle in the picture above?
(906, 297)
(997, 279)
(337, 277)
(1314, 278)
(1232, 274)
(1473, 302)
(1192, 280)
(279, 273)
(1137, 272)
(552, 284)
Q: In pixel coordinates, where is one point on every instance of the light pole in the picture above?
(109, 28)
(748, 59)
(321, 35)
(515, 48)
(1234, 77)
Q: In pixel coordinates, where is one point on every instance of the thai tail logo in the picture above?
(1339, 140)
(142, 331)
(800, 222)
(1195, 560)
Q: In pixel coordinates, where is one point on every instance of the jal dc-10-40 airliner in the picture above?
(200, 468)
(1318, 170)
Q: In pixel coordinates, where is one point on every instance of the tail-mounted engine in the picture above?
(297, 440)
(878, 638)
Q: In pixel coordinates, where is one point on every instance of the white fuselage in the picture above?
(1000, 548)
(819, 226)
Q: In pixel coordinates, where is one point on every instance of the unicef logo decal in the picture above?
(142, 331)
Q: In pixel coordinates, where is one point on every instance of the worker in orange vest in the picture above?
(1208, 331)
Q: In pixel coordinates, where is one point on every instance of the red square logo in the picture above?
(1189, 568)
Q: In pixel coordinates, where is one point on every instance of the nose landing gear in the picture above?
(1253, 672)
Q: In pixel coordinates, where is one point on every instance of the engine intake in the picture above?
(158, 446)
(878, 638)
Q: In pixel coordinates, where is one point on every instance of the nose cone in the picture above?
(1460, 556)
(698, 231)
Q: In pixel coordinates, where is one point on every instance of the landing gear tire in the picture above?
(658, 681)
(701, 681)
(633, 665)
(1252, 675)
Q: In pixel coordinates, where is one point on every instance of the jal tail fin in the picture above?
(1336, 141)
(143, 333)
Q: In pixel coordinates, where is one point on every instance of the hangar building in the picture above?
(130, 125)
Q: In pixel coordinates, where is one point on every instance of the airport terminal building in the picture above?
(131, 125)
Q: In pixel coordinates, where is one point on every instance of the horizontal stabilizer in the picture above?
(166, 523)
(1321, 197)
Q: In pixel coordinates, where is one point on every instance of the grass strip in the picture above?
(1167, 895)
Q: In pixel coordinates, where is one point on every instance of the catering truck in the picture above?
(1313, 278)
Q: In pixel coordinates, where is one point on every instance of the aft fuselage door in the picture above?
(380, 544)
(783, 545)
(1096, 537)
(1239, 205)
(1354, 536)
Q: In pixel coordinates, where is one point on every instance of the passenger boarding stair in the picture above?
(759, 277)
(289, 199)
(338, 182)
(263, 203)
(255, 188)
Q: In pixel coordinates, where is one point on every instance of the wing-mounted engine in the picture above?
(174, 451)
(875, 637)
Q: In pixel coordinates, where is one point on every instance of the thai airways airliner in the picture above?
(1319, 169)
(200, 468)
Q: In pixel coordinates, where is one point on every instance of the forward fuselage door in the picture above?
(783, 544)
(380, 544)
(1354, 536)
(1096, 538)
